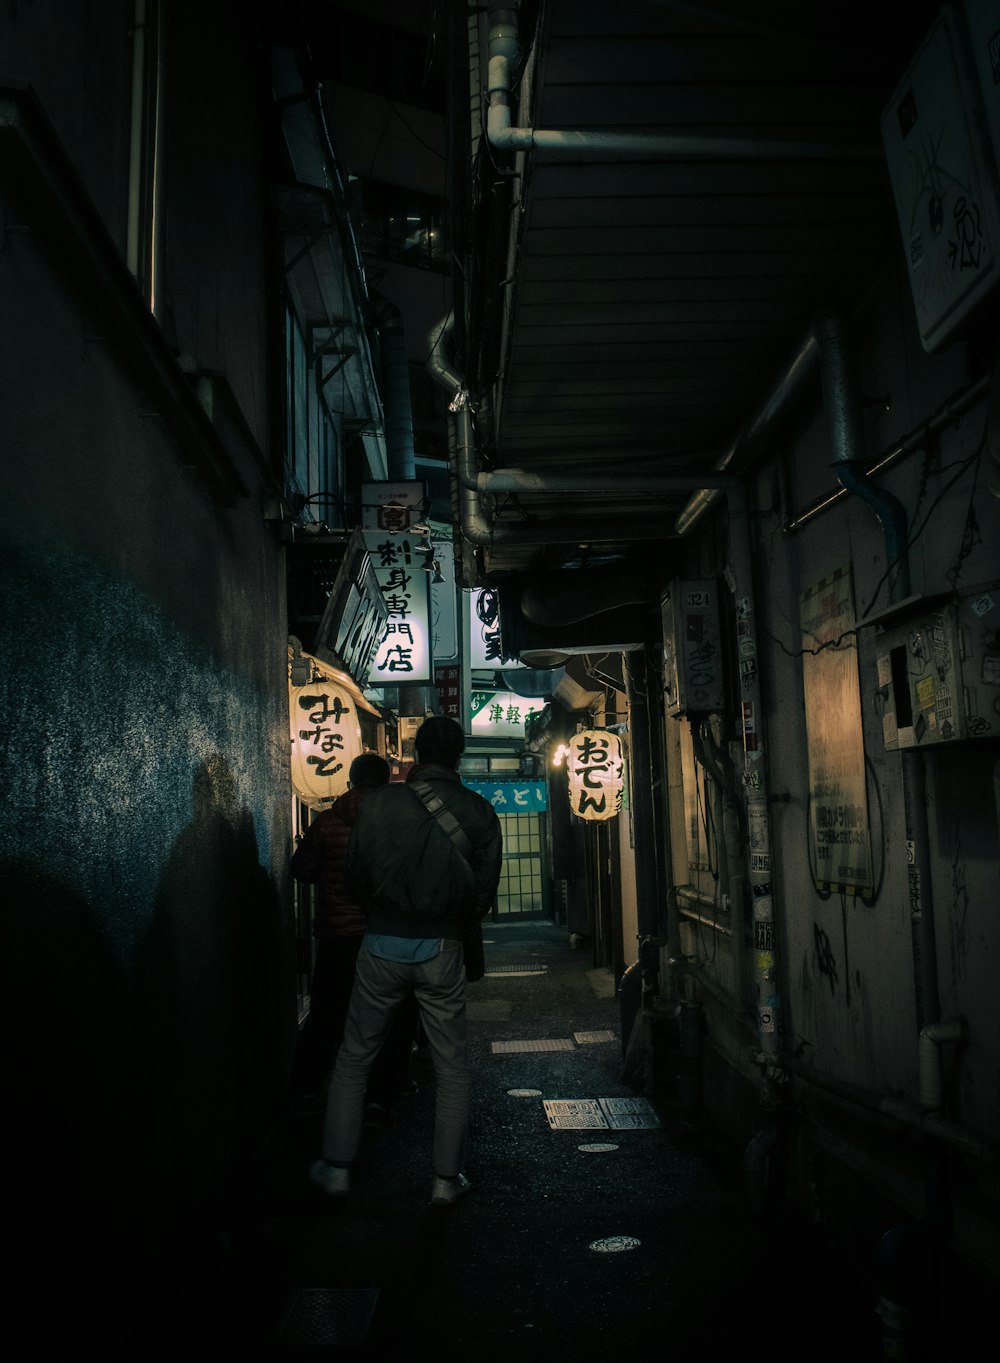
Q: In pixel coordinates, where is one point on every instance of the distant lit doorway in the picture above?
(523, 888)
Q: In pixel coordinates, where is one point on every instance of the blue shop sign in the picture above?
(512, 797)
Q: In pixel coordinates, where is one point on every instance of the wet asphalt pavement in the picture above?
(558, 1251)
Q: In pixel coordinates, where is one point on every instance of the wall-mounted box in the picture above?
(693, 680)
(939, 672)
(940, 160)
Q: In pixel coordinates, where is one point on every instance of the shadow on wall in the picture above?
(133, 1101)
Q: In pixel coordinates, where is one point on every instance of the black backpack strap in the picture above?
(436, 806)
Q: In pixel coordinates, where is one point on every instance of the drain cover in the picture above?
(621, 1114)
(524, 1093)
(615, 1244)
(590, 1038)
(574, 1114)
(597, 1148)
(519, 968)
(523, 1047)
(326, 1317)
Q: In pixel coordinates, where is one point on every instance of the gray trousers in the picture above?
(379, 988)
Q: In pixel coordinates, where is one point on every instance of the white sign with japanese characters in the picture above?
(402, 563)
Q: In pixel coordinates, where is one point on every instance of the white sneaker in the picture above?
(334, 1180)
(445, 1191)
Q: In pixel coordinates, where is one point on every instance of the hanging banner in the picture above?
(354, 618)
(402, 564)
(326, 738)
(839, 834)
(596, 771)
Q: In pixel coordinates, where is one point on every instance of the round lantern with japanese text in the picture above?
(326, 738)
(595, 768)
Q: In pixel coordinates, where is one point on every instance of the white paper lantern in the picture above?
(595, 768)
(326, 738)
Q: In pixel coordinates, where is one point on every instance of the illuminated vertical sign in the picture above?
(402, 564)
(596, 771)
(485, 640)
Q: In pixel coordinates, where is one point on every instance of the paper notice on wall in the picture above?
(839, 832)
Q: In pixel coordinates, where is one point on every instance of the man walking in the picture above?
(422, 886)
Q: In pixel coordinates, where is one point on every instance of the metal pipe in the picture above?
(647, 145)
(913, 440)
(396, 383)
(789, 387)
(930, 1086)
(526, 480)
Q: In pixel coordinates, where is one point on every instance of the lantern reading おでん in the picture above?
(595, 768)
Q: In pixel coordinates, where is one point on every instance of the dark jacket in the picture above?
(319, 860)
(406, 870)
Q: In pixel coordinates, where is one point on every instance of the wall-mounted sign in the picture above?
(392, 506)
(500, 714)
(841, 851)
(444, 606)
(402, 565)
(596, 771)
(448, 681)
(355, 616)
(326, 738)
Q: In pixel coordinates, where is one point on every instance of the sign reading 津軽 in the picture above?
(500, 714)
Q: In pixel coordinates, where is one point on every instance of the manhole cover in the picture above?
(524, 1093)
(597, 1148)
(615, 1244)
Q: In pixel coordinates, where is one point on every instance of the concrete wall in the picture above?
(149, 997)
(845, 967)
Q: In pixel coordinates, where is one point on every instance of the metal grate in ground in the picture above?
(618, 1114)
(591, 1038)
(523, 968)
(524, 1047)
(328, 1317)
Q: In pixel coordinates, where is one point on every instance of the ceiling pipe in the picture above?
(526, 480)
(800, 372)
(480, 530)
(645, 145)
(397, 401)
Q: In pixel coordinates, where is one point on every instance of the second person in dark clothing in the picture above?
(339, 926)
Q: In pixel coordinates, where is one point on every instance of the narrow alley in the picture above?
(574, 1240)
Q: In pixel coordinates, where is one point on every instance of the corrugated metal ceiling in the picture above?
(655, 302)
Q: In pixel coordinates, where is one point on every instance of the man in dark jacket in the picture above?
(339, 927)
(420, 892)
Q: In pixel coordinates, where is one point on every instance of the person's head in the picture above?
(440, 740)
(369, 770)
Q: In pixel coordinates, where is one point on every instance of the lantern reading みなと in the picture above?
(326, 738)
(595, 768)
